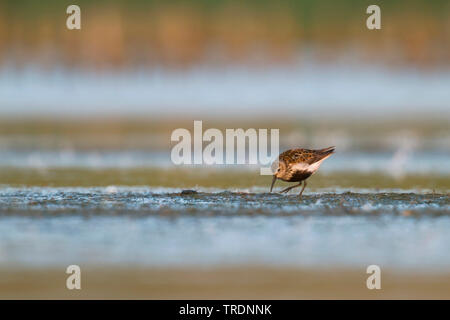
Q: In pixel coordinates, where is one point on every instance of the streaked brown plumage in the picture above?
(297, 165)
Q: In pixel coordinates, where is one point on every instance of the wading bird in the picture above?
(297, 165)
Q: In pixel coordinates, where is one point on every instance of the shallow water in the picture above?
(346, 87)
(164, 227)
(387, 162)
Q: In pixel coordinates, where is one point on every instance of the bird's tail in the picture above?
(327, 151)
(322, 154)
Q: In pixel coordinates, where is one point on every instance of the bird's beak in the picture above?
(273, 182)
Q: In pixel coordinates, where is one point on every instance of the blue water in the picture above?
(153, 227)
(386, 162)
(301, 89)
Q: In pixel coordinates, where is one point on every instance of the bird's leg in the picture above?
(304, 186)
(291, 187)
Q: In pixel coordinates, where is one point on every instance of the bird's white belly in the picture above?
(303, 166)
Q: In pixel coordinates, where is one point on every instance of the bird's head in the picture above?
(279, 170)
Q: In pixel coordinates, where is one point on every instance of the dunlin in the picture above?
(297, 165)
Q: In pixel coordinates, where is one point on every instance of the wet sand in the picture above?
(245, 282)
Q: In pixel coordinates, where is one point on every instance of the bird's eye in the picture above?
(278, 170)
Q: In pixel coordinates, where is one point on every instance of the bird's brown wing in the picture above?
(305, 155)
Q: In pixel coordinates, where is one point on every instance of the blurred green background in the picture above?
(130, 33)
